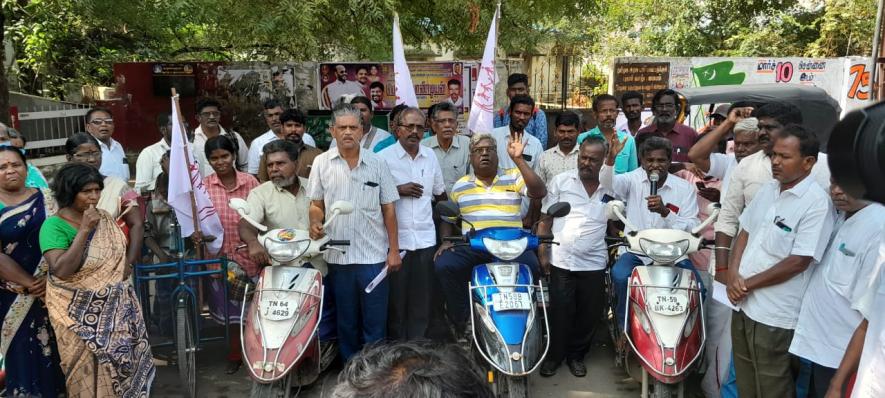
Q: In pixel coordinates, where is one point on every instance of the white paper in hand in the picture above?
(381, 275)
(720, 294)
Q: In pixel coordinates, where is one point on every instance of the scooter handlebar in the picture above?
(338, 243)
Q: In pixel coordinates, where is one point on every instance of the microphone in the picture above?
(653, 179)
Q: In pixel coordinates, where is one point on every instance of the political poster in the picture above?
(433, 82)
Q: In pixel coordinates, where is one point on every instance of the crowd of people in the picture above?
(800, 258)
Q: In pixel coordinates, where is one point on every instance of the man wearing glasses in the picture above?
(419, 181)
(451, 149)
(665, 107)
(491, 197)
(100, 124)
(209, 116)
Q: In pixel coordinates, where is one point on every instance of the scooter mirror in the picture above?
(559, 209)
(610, 208)
(341, 207)
(448, 209)
(240, 205)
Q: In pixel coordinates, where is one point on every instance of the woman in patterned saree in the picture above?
(27, 341)
(224, 184)
(101, 332)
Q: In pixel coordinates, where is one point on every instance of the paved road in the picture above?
(603, 379)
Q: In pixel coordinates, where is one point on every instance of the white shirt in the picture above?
(721, 166)
(806, 220)
(200, 150)
(257, 149)
(380, 135)
(415, 226)
(308, 139)
(827, 321)
(147, 167)
(869, 382)
(531, 153)
(581, 234)
(113, 160)
(633, 187)
(745, 180)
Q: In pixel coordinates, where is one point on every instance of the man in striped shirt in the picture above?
(490, 198)
(351, 173)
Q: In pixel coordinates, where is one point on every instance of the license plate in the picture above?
(511, 301)
(277, 310)
(668, 304)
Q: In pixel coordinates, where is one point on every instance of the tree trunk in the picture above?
(4, 84)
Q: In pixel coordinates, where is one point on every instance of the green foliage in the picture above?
(62, 44)
(822, 28)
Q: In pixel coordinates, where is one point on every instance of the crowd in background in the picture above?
(799, 257)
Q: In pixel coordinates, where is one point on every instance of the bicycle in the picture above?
(185, 306)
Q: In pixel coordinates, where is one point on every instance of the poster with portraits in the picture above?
(434, 82)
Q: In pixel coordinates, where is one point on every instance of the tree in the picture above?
(63, 43)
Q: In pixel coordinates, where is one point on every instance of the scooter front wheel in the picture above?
(517, 387)
(277, 389)
(663, 390)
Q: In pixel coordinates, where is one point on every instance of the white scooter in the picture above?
(279, 330)
(664, 323)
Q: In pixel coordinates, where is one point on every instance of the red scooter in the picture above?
(664, 323)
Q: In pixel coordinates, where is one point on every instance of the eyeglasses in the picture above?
(665, 106)
(483, 149)
(99, 122)
(446, 121)
(210, 114)
(411, 127)
(8, 144)
(88, 155)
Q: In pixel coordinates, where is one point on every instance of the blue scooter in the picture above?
(509, 329)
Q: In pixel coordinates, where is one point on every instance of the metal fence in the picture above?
(47, 123)
(561, 82)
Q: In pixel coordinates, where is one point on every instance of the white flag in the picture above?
(184, 178)
(405, 91)
(482, 109)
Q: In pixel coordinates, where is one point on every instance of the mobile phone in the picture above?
(700, 185)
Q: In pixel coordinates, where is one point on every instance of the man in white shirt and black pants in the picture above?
(784, 229)
(577, 275)
(674, 206)
(418, 178)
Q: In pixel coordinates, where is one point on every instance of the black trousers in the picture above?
(411, 287)
(577, 299)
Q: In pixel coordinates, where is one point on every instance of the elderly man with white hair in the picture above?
(720, 166)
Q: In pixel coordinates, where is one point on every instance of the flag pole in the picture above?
(194, 213)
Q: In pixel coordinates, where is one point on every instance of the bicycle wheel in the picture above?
(186, 347)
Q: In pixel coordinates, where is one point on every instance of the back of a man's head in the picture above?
(411, 370)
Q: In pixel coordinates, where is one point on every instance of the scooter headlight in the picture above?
(664, 252)
(506, 249)
(284, 252)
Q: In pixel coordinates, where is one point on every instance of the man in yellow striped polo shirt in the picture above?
(491, 197)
